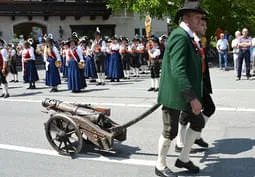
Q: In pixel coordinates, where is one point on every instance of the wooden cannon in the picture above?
(70, 125)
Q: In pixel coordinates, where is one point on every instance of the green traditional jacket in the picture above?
(181, 75)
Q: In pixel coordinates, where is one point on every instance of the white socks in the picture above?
(155, 83)
(137, 71)
(15, 77)
(156, 80)
(101, 77)
(5, 89)
(189, 140)
(152, 83)
(127, 73)
(163, 147)
(181, 135)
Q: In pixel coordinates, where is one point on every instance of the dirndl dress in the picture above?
(90, 68)
(52, 73)
(115, 66)
(30, 73)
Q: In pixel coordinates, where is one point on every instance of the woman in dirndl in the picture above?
(30, 74)
(76, 80)
(115, 65)
(53, 62)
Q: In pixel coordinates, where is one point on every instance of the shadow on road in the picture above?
(235, 166)
(119, 151)
(26, 94)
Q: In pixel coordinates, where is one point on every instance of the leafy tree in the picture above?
(230, 15)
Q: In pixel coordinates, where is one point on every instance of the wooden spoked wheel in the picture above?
(64, 135)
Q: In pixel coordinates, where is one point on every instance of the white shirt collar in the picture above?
(187, 29)
(197, 39)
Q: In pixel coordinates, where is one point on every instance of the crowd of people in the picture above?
(81, 58)
(243, 53)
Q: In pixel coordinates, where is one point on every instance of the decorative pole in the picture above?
(148, 26)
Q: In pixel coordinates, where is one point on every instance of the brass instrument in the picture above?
(58, 63)
(81, 65)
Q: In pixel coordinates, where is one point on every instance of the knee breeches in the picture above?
(197, 122)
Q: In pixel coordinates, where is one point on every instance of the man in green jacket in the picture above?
(181, 87)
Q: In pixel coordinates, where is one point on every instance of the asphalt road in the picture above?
(25, 151)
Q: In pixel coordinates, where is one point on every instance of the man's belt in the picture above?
(244, 49)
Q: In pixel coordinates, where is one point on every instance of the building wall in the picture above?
(158, 27)
(125, 25)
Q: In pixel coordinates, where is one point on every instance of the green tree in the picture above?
(230, 15)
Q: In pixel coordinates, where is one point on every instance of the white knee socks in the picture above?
(163, 147)
(189, 140)
(181, 135)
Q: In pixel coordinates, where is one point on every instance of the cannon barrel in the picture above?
(73, 109)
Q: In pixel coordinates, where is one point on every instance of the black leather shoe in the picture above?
(2, 95)
(156, 90)
(165, 173)
(200, 142)
(151, 89)
(188, 165)
(6, 95)
(178, 149)
(53, 90)
(99, 83)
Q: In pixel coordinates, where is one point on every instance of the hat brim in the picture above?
(2, 41)
(184, 10)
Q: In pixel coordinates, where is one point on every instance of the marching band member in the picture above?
(154, 54)
(3, 69)
(98, 47)
(76, 80)
(53, 62)
(63, 53)
(12, 62)
(140, 51)
(115, 66)
(30, 74)
(107, 55)
(90, 68)
(125, 57)
(134, 59)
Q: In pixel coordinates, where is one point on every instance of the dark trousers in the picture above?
(99, 60)
(244, 54)
(171, 119)
(2, 78)
(208, 110)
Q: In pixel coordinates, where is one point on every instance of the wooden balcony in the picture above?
(62, 8)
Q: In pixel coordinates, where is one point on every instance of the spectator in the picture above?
(223, 50)
(244, 53)
(253, 56)
(236, 49)
(218, 32)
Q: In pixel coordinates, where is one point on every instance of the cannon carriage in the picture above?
(71, 125)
